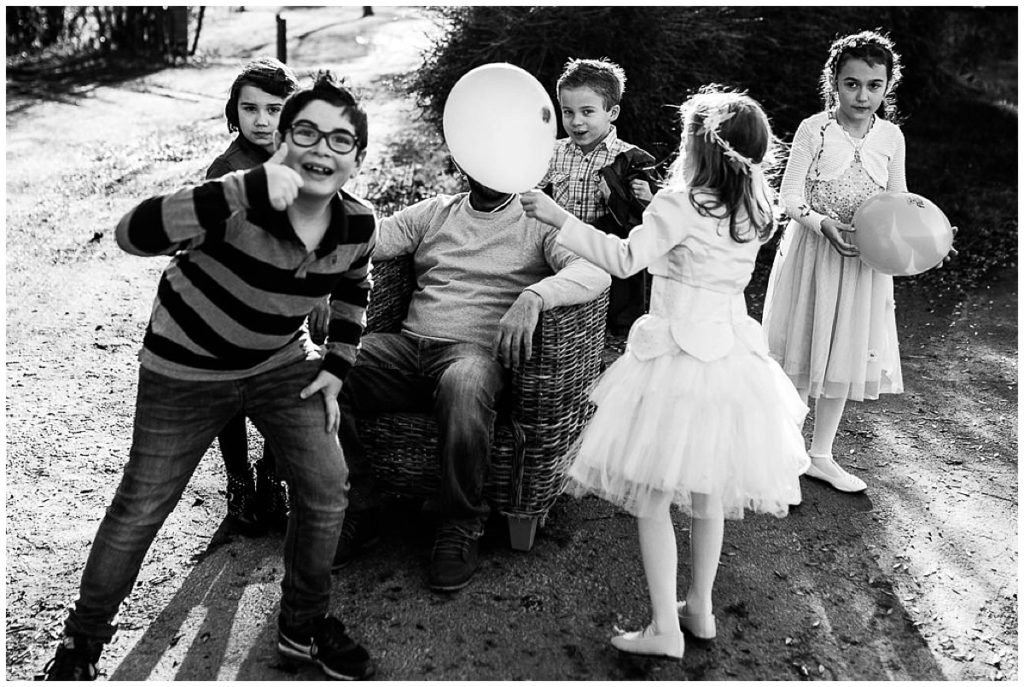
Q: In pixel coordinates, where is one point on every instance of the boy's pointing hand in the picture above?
(283, 183)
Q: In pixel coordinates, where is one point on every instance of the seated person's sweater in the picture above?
(471, 266)
(232, 300)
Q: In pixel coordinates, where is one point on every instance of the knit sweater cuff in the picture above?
(336, 365)
(256, 193)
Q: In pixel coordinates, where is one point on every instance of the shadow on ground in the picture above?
(797, 598)
(70, 79)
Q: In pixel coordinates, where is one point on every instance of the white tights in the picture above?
(828, 412)
(661, 561)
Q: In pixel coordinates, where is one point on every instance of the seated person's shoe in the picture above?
(359, 531)
(828, 470)
(647, 643)
(700, 626)
(242, 512)
(75, 659)
(454, 559)
(327, 645)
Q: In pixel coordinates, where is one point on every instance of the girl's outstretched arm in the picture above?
(539, 205)
(666, 221)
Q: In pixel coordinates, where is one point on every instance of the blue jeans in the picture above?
(459, 382)
(175, 423)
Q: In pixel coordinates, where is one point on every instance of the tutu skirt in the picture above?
(678, 424)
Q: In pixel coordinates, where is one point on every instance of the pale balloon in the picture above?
(500, 127)
(901, 234)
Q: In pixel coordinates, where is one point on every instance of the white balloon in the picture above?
(901, 234)
(500, 127)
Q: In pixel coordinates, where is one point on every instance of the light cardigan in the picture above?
(822, 151)
(699, 274)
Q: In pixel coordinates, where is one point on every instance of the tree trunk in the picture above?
(199, 27)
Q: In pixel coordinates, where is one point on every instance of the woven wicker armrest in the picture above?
(567, 348)
(393, 284)
(549, 405)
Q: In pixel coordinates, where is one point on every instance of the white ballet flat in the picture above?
(700, 626)
(647, 643)
(840, 479)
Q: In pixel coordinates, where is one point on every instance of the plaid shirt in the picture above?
(574, 177)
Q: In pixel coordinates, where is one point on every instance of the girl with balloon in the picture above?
(695, 412)
(829, 316)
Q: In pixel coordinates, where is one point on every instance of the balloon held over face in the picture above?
(500, 127)
(901, 234)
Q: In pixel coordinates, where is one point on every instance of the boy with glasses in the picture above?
(253, 253)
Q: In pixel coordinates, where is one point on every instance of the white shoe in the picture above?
(645, 642)
(700, 626)
(835, 475)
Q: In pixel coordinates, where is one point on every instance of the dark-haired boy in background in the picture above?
(253, 109)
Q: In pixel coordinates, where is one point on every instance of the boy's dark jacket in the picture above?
(625, 210)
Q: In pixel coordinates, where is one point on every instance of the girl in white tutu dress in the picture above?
(830, 319)
(695, 412)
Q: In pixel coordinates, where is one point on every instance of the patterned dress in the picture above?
(831, 320)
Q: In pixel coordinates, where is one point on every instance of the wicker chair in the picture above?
(544, 411)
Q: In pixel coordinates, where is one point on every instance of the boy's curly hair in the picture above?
(325, 87)
(606, 78)
(266, 74)
(872, 47)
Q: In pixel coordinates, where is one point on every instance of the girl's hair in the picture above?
(266, 74)
(325, 87)
(873, 48)
(726, 150)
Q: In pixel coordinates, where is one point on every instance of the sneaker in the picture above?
(359, 531)
(828, 470)
(337, 654)
(75, 659)
(453, 560)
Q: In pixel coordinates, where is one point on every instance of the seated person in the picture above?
(484, 273)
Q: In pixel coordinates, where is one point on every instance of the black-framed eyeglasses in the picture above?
(306, 135)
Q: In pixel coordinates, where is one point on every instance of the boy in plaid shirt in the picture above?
(589, 92)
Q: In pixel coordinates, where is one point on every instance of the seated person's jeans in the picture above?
(175, 423)
(460, 383)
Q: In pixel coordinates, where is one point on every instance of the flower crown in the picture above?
(709, 129)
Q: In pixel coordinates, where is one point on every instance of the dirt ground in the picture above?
(915, 580)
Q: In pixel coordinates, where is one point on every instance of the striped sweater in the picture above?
(232, 300)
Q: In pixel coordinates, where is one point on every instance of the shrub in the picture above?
(668, 52)
(961, 152)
